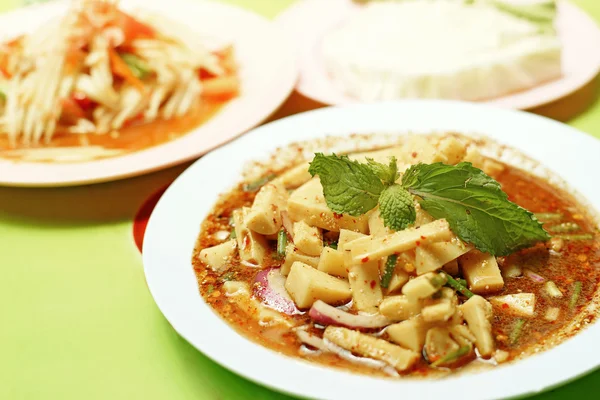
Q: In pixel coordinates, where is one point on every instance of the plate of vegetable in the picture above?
(97, 90)
(510, 53)
(420, 247)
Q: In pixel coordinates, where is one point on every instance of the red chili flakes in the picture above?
(373, 283)
(418, 243)
(337, 216)
(366, 259)
(505, 306)
(423, 237)
(414, 154)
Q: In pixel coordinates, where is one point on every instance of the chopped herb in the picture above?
(472, 202)
(209, 290)
(575, 236)
(576, 293)
(390, 265)
(228, 276)
(548, 216)
(232, 235)
(452, 356)
(516, 331)
(281, 243)
(257, 184)
(564, 227)
(458, 286)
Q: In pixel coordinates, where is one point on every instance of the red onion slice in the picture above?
(324, 314)
(287, 224)
(270, 288)
(533, 276)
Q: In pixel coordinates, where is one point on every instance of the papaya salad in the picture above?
(100, 82)
(423, 258)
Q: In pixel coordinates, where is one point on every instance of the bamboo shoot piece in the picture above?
(434, 256)
(366, 288)
(399, 308)
(374, 248)
(218, 256)
(347, 236)
(481, 272)
(439, 343)
(307, 203)
(292, 254)
(520, 304)
(252, 246)
(308, 238)
(369, 346)
(376, 225)
(264, 216)
(294, 177)
(478, 314)
(440, 311)
(409, 334)
(331, 261)
(399, 279)
(306, 285)
(423, 286)
(451, 268)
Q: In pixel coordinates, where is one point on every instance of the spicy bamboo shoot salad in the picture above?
(422, 258)
(84, 84)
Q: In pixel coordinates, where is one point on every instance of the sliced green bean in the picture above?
(564, 227)
(257, 184)
(438, 280)
(333, 245)
(452, 356)
(210, 289)
(575, 236)
(516, 332)
(390, 265)
(228, 276)
(138, 67)
(281, 243)
(458, 286)
(548, 216)
(576, 293)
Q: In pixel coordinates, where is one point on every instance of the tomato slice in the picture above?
(84, 102)
(71, 111)
(132, 28)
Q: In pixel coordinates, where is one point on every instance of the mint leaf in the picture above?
(349, 187)
(387, 173)
(475, 206)
(396, 206)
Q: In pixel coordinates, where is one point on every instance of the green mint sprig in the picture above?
(472, 202)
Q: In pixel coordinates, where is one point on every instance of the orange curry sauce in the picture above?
(578, 261)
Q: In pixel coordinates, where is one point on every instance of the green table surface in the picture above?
(76, 318)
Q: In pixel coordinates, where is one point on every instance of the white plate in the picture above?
(309, 20)
(174, 226)
(267, 69)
